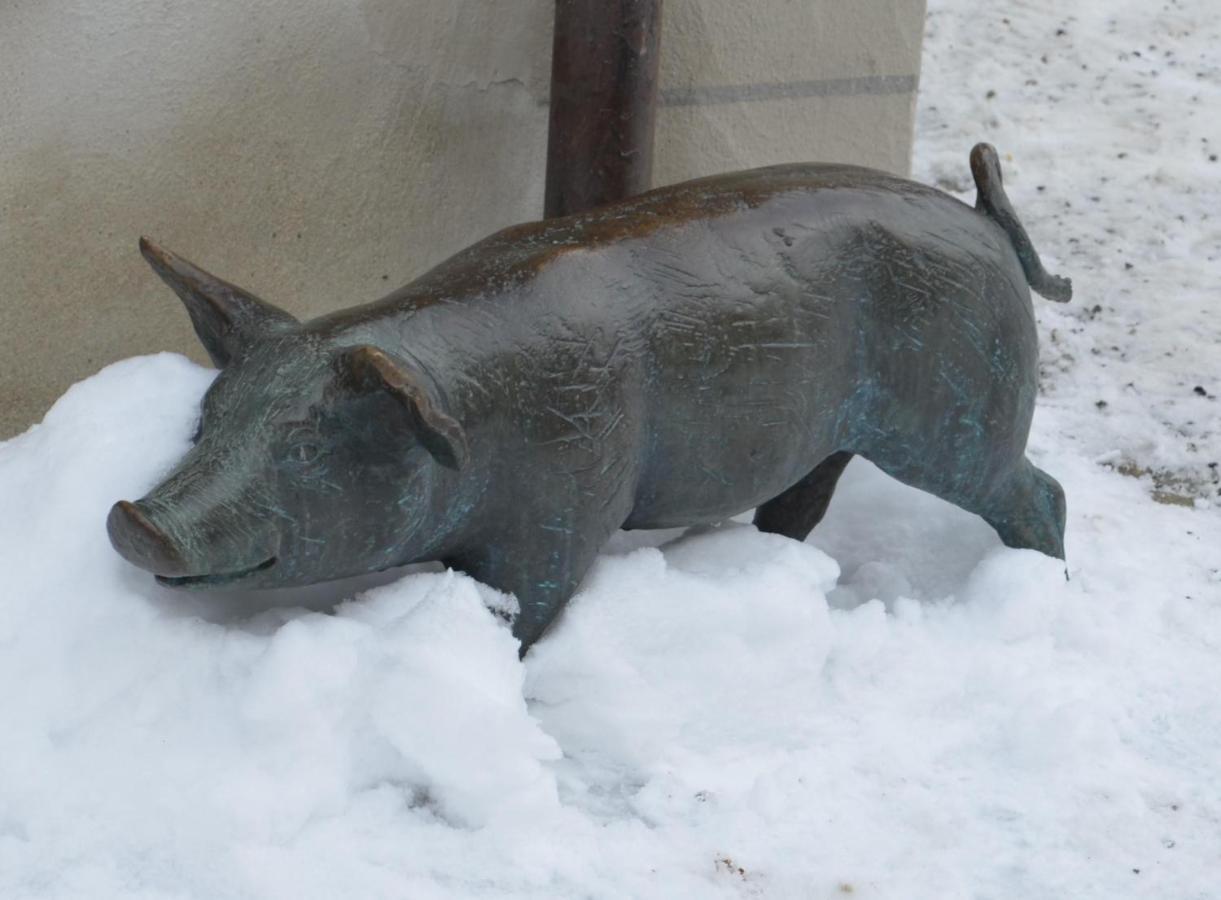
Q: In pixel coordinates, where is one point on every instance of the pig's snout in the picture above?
(141, 542)
(207, 552)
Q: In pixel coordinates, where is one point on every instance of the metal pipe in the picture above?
(603, 102)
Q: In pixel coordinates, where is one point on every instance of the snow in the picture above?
(899, 708)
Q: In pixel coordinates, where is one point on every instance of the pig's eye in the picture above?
(303, 448)
(303, 453)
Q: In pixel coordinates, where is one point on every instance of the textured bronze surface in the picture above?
(673, 359)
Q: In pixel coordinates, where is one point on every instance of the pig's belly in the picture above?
(721, 440)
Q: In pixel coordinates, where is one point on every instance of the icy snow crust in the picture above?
(901, 708)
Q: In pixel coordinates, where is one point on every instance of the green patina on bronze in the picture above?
(671, 360)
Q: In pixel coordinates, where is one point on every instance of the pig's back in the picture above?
(519, 254)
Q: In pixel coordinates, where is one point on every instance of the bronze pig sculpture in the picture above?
(673, 359)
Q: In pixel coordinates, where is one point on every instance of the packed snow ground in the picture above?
(901, 708)
(1107, 118)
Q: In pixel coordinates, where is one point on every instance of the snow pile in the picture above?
(900, 708)
(957, 720)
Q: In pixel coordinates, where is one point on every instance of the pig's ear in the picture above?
(366, 368)
(226, 318)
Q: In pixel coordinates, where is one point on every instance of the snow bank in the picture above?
(957, 721)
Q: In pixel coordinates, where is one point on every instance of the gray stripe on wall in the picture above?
(822, 87)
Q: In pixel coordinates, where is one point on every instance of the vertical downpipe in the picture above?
(603, 102)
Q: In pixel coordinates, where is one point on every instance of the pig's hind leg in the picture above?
(795, 512)
(1029, 511)
(1025, 505)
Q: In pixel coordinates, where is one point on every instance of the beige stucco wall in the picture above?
(321, 152)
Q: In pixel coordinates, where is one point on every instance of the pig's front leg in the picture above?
(564, 476)
(541, 563)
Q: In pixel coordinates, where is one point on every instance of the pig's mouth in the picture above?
(213, 580)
